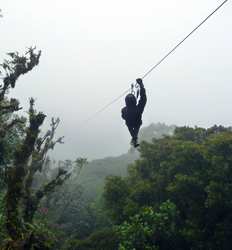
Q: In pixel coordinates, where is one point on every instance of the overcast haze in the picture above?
(93, 50)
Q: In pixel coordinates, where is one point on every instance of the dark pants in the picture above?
(134, 130)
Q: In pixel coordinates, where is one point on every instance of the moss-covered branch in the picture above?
(16, 66)
(29, 155)
(39, 156)
(17, 173)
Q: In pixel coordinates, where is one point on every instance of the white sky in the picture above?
(93, 50)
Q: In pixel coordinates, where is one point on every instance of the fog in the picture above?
(93, 50)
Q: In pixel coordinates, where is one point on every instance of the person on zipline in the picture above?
(132, 113)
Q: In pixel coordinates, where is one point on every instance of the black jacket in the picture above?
(133, 115)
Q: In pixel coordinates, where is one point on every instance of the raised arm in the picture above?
(143, 97)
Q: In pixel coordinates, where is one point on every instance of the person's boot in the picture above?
(135, 142)
(136, 145)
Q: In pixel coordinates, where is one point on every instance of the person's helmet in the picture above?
(130, 100)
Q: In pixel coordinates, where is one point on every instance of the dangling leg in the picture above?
(135, 138)
(134, 134)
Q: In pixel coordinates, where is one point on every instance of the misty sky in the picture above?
(93, 50)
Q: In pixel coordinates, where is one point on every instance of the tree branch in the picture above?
(17, 173)
(39, 156)
(17, 66)
(33, 202)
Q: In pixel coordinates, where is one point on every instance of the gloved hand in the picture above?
(140, 82)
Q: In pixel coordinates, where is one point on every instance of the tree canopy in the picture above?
(193, 171)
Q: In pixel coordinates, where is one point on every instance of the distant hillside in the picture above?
(156, 130)
(93, 176)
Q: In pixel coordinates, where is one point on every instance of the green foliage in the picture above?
(77, 206)
(192, 169)
(148, 229)
(101, 240)
(23, 153)
(42, 236)
(116, 192)
(3, 233)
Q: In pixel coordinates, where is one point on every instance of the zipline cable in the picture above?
(158, 63)
(169, 53)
